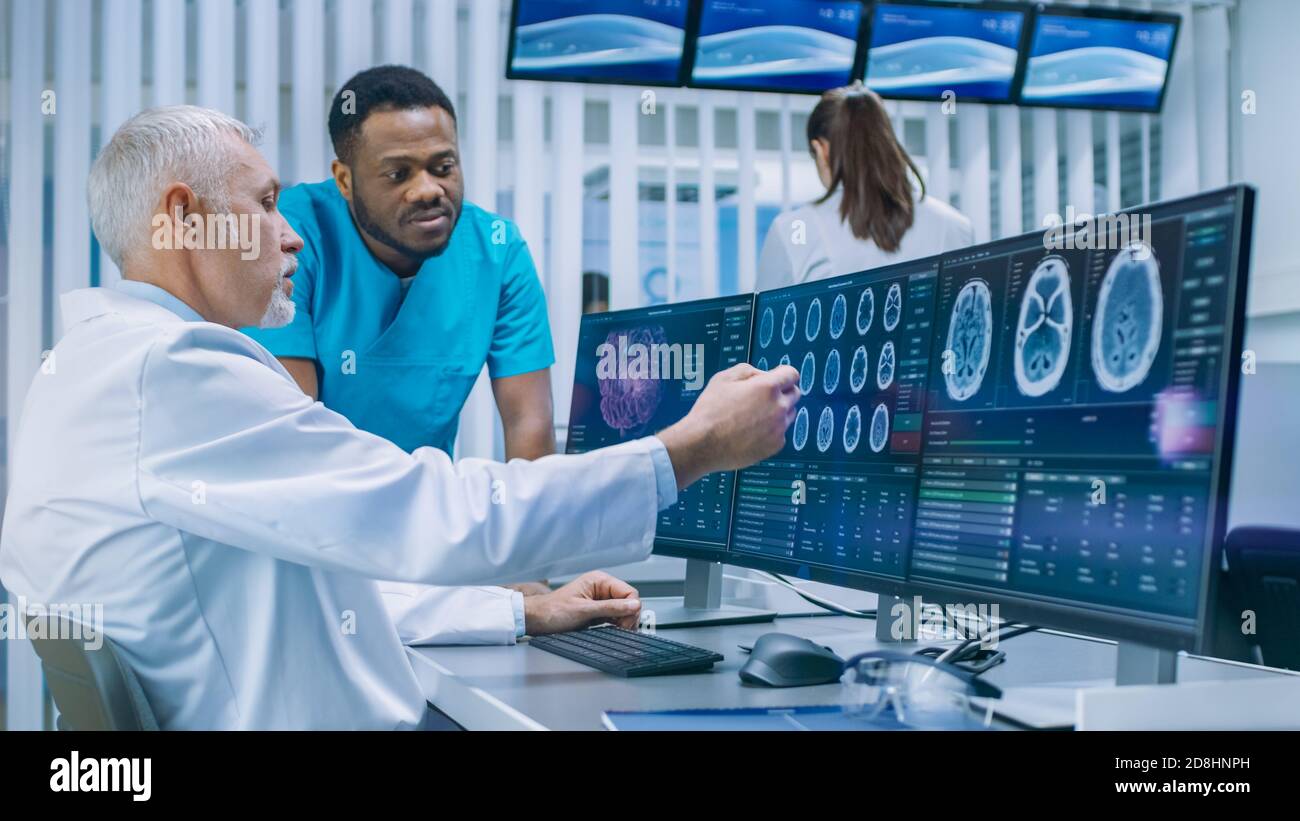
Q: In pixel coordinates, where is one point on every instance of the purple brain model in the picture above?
(628, 403)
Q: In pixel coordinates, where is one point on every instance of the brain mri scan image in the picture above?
(885, 367)
(813, 325)
(858, 369)
(789, 324)
(893, 307)
(866, 310)
(800, 426)
(1130, 315)
(785, 359)
(852, 429)
(765, 328)
(1044, 329)
(970, 336)
(831, 378)
(629, 404)
(879, 434)
(839, 316)
(762, 363)
(826, 429)
(807, 373)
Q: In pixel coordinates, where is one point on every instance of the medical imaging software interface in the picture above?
(841, 494)
(1070, 430)
(638, 372)
(777, 45)
(634, 41)
(920, 51)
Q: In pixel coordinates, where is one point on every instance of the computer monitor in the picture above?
(638, 372)
(837, 503)
(1098, 58)
(791, 46)
(922, 50)
(635, 42)
(1079, 431)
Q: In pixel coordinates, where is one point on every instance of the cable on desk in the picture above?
(826, 604)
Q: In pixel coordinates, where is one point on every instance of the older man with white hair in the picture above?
(234, 530)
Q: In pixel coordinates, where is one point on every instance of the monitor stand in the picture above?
(1141, 664)
(702, 603)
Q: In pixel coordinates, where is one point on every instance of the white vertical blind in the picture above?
(1010, 196)
(354, 38)
(670, 199)
(1179, 150)
(624, 237)
(565, 293)
(1047, 186)
(72, 82)
(168, 53)
(746, 216)
(1214, 100)
(440, 41)
(1078, 152)
(263, 94)
(26, 314)
(310, 161)
(396, 40)
(530, 169)
(217, 55)
(708, 210)
(787, 153)
(121, 83)
(973, 132)
(937, 154)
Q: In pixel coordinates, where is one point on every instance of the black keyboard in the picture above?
(626, 652)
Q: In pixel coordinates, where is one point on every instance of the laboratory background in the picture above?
(632, 195)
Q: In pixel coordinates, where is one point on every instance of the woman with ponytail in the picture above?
(875, 211)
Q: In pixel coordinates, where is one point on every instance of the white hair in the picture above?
(152, 150)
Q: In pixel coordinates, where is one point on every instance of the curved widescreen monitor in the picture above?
(923, 51)
(639, 371)
(637, 42)
(1099, 59)
(790, 46)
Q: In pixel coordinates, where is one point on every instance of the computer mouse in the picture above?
(783, 660)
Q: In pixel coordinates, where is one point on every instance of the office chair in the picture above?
(93, 689)
(1264, 577)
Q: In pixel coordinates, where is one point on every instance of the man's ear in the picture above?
(178, 201)
(342, 178)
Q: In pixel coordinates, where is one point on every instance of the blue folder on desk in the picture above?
(763, 719)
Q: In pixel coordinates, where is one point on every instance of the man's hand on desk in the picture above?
(592, 598)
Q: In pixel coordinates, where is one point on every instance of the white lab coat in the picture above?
(814, 242)
(234, 530)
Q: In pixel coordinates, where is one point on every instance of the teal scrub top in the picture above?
(401, 365)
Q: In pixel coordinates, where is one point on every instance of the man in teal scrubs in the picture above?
(404, 292)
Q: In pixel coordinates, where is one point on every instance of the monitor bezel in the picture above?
(1098, 13)
(1102, 622)
(1021, 48)
(692, 51)
(666, 546)
(512, 74)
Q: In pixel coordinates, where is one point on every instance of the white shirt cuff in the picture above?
(665, 476)
(517, 604)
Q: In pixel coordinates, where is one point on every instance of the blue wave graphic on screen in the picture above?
(939, 61)
(771, 51)
(595, 40)
(1096, 71)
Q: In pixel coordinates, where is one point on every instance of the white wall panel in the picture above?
(216, 48)
(262, 98)
(168, 53)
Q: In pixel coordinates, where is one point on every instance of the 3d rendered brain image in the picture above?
(1044, 329)
(1129, 319)
(878, 436)
(761, 364)
(800, 429)
(807, 373)
(866, 311)
(765, 327)
(885, 367)
(789, 324)
(852, 429)
(893, 307)
(970, 337)
(858, 369)
(839, 316)
(628, 404)
(813, 325)
(831, 374)
(826, 429)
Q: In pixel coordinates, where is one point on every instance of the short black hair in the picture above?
(382, 88)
